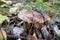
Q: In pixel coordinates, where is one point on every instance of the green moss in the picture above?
(2, 18)
(58, 35)
(1, 2)
(1, 38)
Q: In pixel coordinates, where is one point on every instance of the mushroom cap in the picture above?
(26, 15)
(38, 17)
(30, 16)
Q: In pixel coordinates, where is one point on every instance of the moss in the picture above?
(1, 2)
(1, 38)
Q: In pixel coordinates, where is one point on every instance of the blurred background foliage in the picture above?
(2, 2)
(51, 7)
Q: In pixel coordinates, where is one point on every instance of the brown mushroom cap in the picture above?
(30, 16)
(38, 17)
(26, 15)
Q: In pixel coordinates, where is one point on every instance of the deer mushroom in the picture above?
(30, 16)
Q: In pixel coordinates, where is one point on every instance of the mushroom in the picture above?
(31, 16)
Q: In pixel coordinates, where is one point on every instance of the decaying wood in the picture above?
(3, 34)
